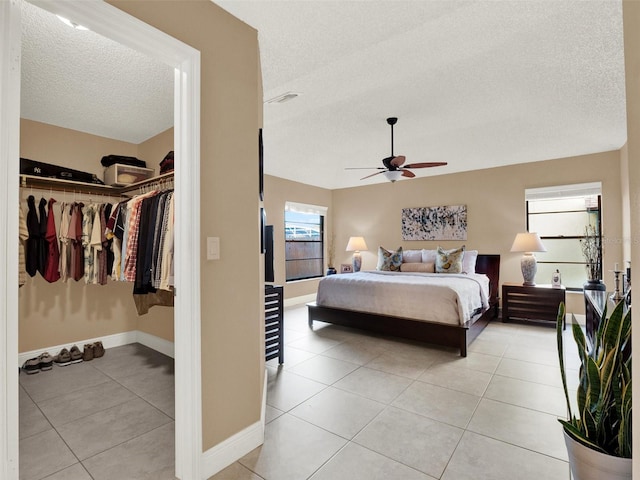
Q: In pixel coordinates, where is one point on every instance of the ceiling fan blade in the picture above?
(407, 173)
(398, 160)
(364, 168)
(373, 174)
(425, 165)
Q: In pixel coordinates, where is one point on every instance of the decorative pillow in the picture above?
(469, 261)
(449, 261)
(389, 261)
(429, 256)
(419, 267)
(412, 256)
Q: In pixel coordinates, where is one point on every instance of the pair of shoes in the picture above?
(92, 350)
(67, 357)
(34, 365)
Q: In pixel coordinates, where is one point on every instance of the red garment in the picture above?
(52, 271)
(77, 249)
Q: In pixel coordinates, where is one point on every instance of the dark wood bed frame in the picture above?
(448, 335)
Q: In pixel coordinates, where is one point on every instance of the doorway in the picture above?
(112, 23)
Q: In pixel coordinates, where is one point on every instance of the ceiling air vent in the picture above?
(285, 97)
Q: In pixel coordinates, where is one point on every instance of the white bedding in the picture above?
(443, 298)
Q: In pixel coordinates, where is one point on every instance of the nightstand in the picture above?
(538, 302)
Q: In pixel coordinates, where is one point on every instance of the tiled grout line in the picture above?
(81, 462)
(465, 429)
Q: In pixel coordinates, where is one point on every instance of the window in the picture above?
(304, 241)
(560, 215)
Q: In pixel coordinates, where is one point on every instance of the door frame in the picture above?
(121, 27)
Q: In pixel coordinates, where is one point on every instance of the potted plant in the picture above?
(598, 437)
(330, 254)
(592, 251)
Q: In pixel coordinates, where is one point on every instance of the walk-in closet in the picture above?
(96, 321)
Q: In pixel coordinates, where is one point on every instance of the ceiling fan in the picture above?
(394, 167)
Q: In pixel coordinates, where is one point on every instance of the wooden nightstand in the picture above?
(538, 302)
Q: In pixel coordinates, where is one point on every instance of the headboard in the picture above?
(490, 266)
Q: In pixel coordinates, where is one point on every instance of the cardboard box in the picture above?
(122, 175)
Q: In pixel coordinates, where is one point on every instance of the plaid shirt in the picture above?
(131, 255)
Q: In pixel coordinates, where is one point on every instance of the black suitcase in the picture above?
(41, 169)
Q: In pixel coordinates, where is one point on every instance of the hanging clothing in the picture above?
(33, 227)
(43, 249)
(77, 249)
(65, 250)
(23, 236)
(52, 268)
(109, 241)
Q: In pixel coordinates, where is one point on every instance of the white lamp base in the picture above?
(357, 261)
(529, 267)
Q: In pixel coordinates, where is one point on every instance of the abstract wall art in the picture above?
(435, 223)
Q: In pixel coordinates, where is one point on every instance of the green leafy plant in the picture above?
(604, 391)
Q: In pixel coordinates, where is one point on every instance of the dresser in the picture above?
(537, 302)
(594, 304)
(274, 322)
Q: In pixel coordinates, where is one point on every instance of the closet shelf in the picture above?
(80, 187)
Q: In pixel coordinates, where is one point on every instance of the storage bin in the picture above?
(121, 175)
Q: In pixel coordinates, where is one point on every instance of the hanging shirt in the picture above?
(88, 215)
(33, 227)
(43, 249)
(23, 236)
(129, 267)
(75, 234)
(65, 250)
(52, 271)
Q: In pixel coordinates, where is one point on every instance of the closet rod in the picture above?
(71, 186)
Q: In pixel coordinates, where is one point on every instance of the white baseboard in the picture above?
(290, 302)
(109, 341)
(233, 448)
(156, 343)
(116, 340)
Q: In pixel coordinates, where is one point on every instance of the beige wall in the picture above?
(631, 175)
(232, 295)
(153, 150)
(495, 208)
(51, 144)
(278, 191)
(65, 313)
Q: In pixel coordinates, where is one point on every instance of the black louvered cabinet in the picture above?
(274, 322)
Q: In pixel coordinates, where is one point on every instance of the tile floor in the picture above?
(110, 418)
(348, 405)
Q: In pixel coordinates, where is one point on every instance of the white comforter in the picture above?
(432, 297)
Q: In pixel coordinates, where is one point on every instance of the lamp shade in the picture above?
(527, 242)
(356, 244)
(393, 175)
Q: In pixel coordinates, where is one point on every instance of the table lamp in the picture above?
(356, 245)
(528, 243)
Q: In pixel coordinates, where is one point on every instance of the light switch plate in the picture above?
(213, 248)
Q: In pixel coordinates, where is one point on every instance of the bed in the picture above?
(420, 323)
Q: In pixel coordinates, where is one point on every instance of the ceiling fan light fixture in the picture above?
(393, 175)
(285, 97)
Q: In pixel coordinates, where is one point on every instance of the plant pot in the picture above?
(331, 271)
(587, 464)
(594, 285)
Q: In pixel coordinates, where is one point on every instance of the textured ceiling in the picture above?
(80, 80)
(474, 83)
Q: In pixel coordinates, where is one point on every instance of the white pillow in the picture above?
(469, 261)
(412, 256)
(429, 256)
